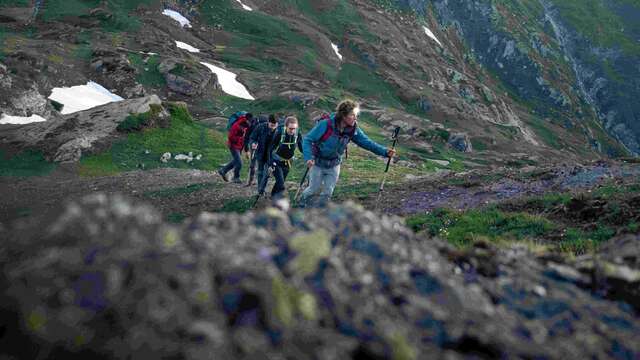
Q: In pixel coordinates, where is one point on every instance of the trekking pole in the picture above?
(262, 186)
(252, 167)
(386, 170)
(304, 176)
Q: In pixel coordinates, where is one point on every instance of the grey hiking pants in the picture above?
(322, 182)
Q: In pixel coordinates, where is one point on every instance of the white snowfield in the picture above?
(82, 97)
(177, 17)
(431, 35)
(228, 82)
(335, 49)
(244, 6)
(20, 120)
(187, 47)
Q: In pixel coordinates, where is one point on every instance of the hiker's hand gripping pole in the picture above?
(386, 170)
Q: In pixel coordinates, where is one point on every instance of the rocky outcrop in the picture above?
(25, 102)
(113, 70)
(110, 279)
(184, 78)
(614, 272)
(496, 49)
(64, 138)
(460, 142)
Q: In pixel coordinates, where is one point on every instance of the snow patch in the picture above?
(20, 120)
(187, 47)
(177, 17)
(430, 34)
(335, 49)
(244, 6)
(228, 82)
(82, 97)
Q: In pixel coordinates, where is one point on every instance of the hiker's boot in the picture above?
(322, 201)
(223, 175)
(237, 181)
(251, 180)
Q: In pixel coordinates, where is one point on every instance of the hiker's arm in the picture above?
(362, 140)
(274, 144)
(247, 137)
(254, 135)
(312, 136)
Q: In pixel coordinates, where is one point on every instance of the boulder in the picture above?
(113, 70)
(460, 142)
(109, 279)
(614, 271)
(184, 78)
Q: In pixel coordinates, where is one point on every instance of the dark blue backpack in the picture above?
(235, 117)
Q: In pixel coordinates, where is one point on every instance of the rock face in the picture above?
(64, 138)
(612, 84)
(553, 67)
(110, 280)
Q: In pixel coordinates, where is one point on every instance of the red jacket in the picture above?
(235, 139)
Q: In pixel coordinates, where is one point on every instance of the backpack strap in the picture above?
(329, 131)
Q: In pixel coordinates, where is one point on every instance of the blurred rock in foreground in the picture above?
(108, 279)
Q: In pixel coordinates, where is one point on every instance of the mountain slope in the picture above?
(512, 92)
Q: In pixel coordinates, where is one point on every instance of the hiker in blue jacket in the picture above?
(324, 146)
(260, 141)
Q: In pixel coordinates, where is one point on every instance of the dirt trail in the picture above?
(171, 190)
(477, 189)
(26, 201)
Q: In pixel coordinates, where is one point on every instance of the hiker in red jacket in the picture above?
(235, 142)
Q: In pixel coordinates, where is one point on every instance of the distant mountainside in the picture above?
(555, 80)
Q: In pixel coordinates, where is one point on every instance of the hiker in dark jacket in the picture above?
(235, 142)
(324, 146)
(254, 124)
(261, 143)
(283, 146)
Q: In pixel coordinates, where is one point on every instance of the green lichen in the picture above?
(311, 248)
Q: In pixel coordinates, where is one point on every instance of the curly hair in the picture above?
(345, 108)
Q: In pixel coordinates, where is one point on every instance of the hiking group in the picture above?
(271, 142)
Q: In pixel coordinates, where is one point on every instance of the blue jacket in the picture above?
(333, 148)
(253, 125)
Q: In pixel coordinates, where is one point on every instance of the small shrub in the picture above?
(238, 204)
(436, 134)
(134, 123)
(137, 122)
